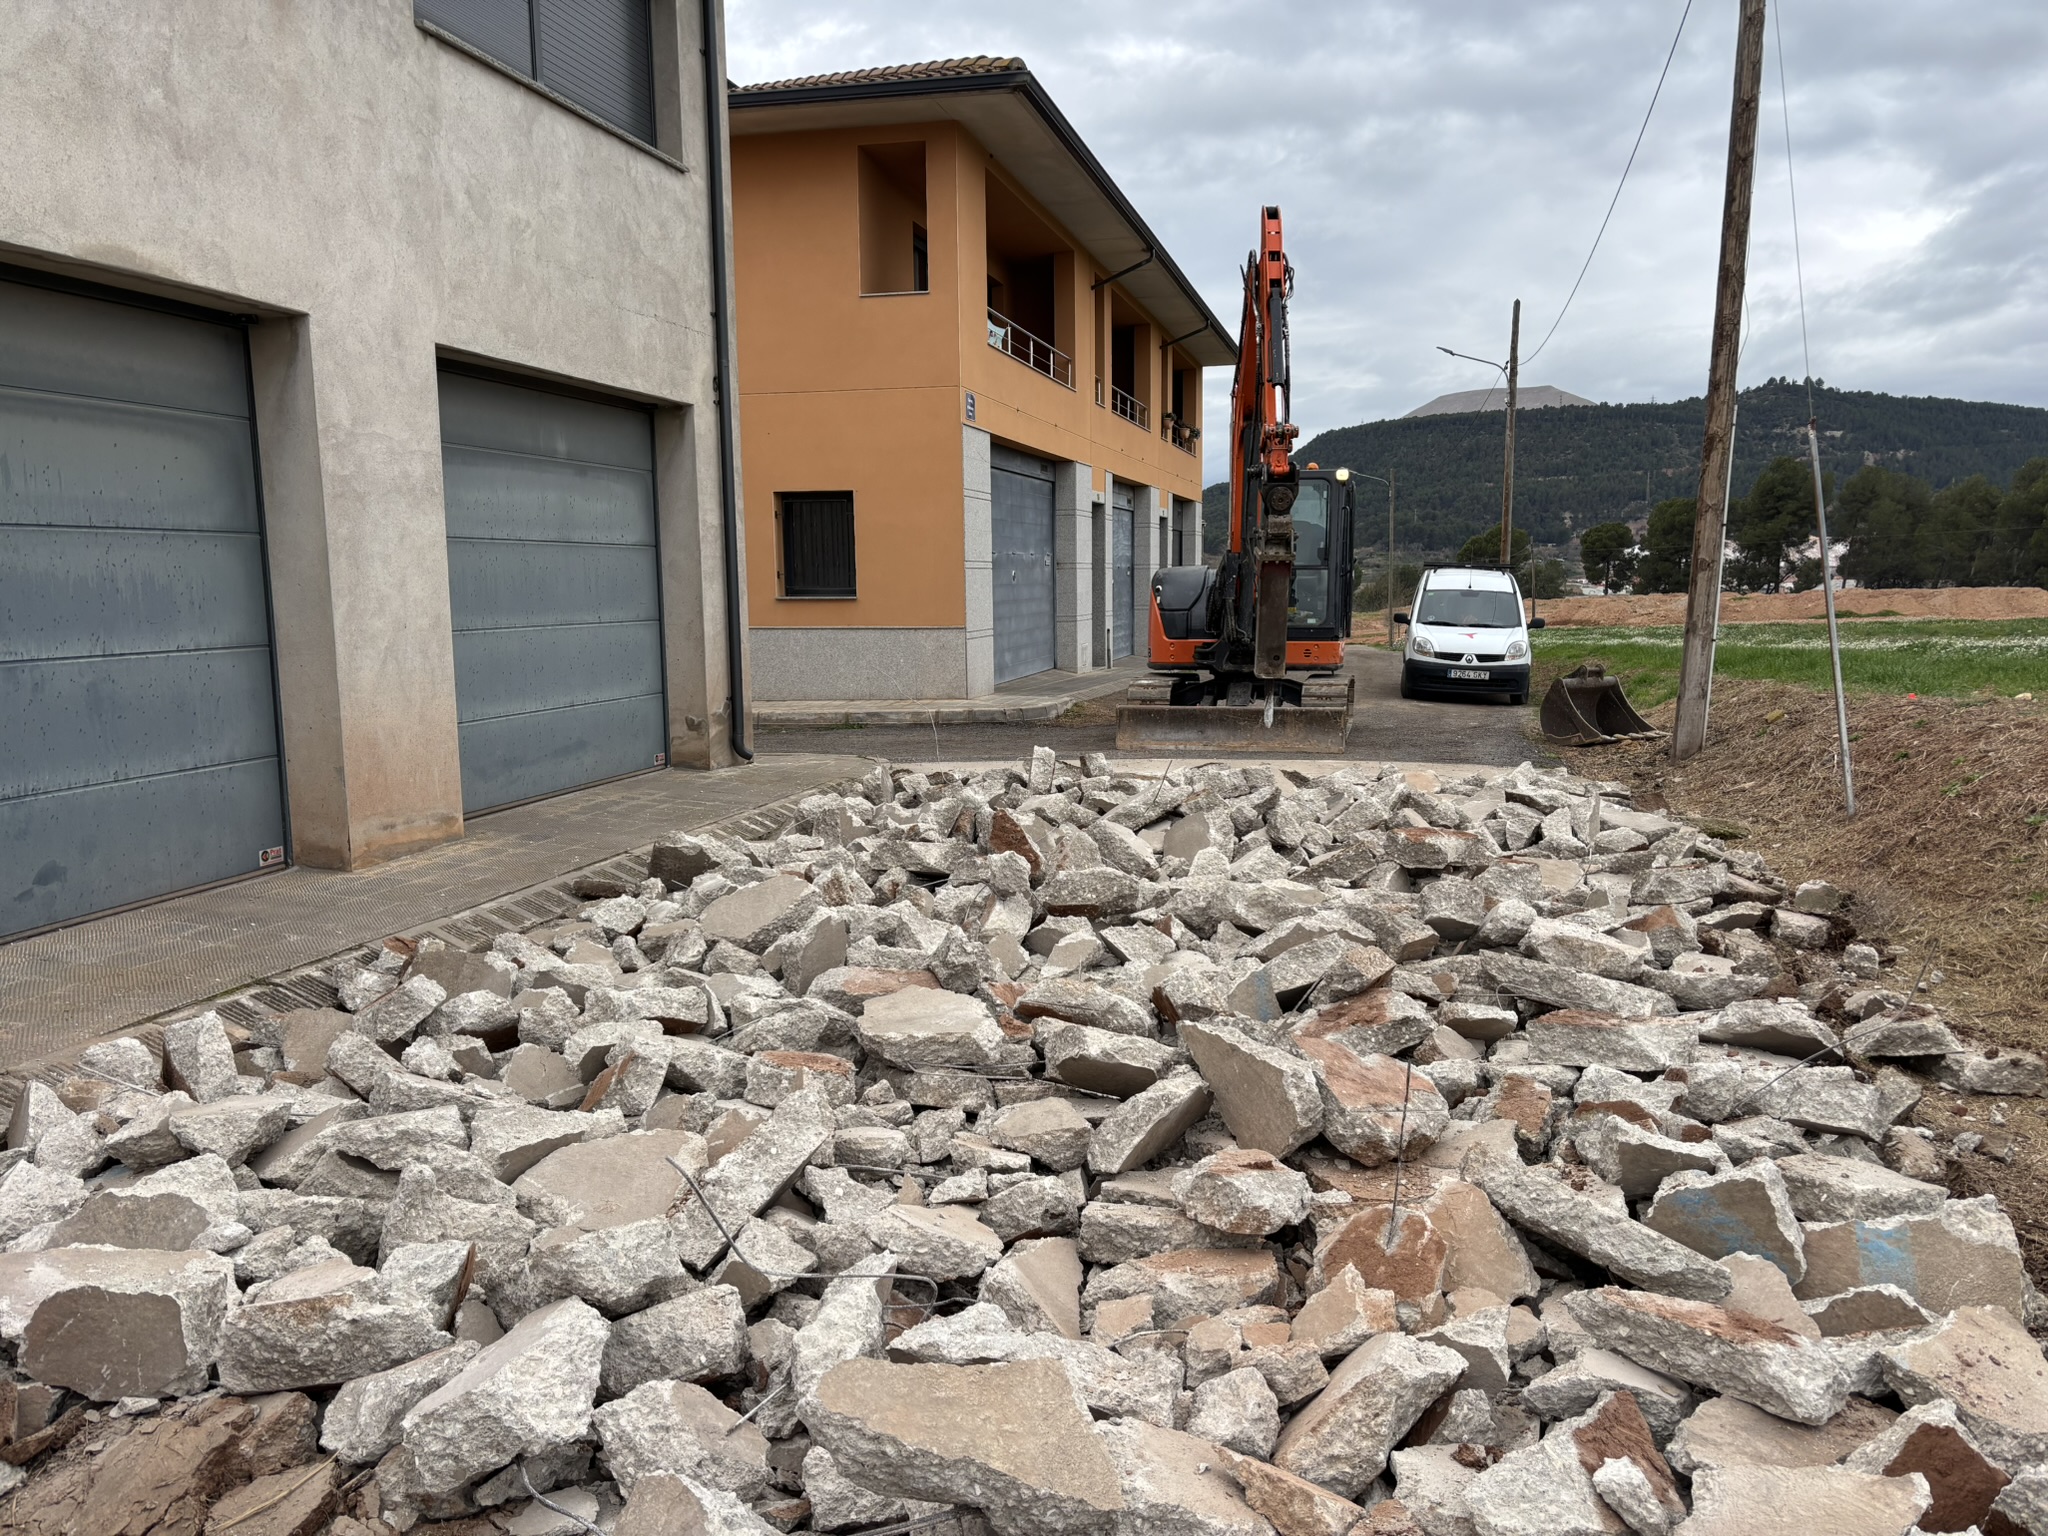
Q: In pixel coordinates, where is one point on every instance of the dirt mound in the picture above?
(1789, 607)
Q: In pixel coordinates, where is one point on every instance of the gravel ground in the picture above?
(1385, 727)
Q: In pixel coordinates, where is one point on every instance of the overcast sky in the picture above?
(1436, 159)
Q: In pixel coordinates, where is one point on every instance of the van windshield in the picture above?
(1464, 608)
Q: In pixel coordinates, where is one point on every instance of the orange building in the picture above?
(971, 386)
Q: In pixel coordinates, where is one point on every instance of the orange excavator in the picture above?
(1245, 653)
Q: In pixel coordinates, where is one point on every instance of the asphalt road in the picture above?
(1384, 727)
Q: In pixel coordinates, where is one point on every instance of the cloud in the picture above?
(1436, 162)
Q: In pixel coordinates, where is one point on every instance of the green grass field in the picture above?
(1952, 657)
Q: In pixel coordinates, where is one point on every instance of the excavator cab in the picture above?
(1187, 702)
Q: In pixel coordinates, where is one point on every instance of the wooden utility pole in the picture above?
(1507, 476)
(1710, 516)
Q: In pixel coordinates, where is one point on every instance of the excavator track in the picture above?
(1149, 721)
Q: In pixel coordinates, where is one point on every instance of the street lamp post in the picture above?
(1388, 481)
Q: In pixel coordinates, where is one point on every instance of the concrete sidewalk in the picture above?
(1043, 696)
(62, 990)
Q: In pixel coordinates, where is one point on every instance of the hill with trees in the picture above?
(1580, 466)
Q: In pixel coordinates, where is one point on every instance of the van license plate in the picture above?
(1465, 674)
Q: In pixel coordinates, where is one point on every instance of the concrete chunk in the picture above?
(1731, 1352)
(1744, 1210)
(1147, 1123)
(674, 1427)
(362, 1421)
(1587, 1227)
(528, 1393)
(1800, 1501)
(1270, 1098)
(1825, 1188)
(919, 1028)
(1008, 1439)
(1727, 1432)
(1341, 1439)
(1964, 1255)
(1375, 1109)
(116, 1322)
(1987, 1365)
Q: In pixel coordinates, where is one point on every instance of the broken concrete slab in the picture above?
(1101, 1061)
(1742, 1210)
(1550, 1488)
(1147, 1123)
(678, 1428)
(1294, 1505)
(1050, 1131)
(362, 1420)
(1340, 1441)
(1825, 1188)
(1728, 1432)
(1962, 1481)
(1186, 1283)
(1008, 1439)
(1563, 988)
(1037, 1284)
(321, 1326)
(918, 1028)
(1733, 1353)
(1798, 1501)
(1585, 1226)
(1374, 1109)
(110, 1323)
(1270, 1098)
(527, 1393)
(1965, 1254)
(1247, 1192)
(1987, 1365)
(1170, 1481)
(1584, 1037)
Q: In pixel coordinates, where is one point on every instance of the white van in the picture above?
(1467, 634)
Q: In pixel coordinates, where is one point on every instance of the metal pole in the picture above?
(1827, 589)
(1390, 559)
(1721, 559)
(1703, 597)
(1507, 481)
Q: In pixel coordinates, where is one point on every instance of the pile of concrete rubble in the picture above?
(1040, 1150)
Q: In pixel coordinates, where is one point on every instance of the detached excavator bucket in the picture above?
(1586, 707)
(1320, 724)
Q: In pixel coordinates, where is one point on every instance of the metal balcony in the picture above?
(1007, 336)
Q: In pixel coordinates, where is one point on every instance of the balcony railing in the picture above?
(1129, 406)
(1006, 335)
(1179, 433)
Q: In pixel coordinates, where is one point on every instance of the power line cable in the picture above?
(1792, 190)
(1670, 54)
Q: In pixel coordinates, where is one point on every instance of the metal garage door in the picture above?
(1022, 489)
(137, 707)
(554, 587)
(1123, 561)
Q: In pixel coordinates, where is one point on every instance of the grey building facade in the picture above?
(362, 460)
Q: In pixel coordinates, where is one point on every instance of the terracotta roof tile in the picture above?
(936, 69)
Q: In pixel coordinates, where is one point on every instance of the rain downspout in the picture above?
(722, 368)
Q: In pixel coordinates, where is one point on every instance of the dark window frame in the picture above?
(814, 559)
